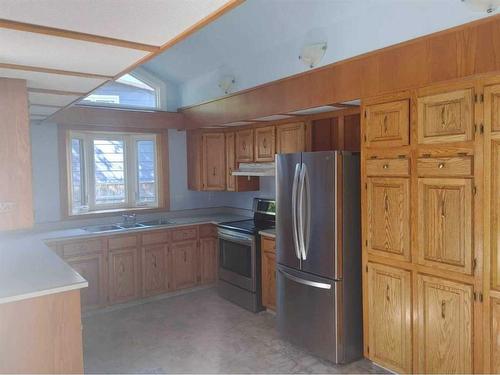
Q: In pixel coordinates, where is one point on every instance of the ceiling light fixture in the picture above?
(311, 54)
(226, 83)
(488, 6)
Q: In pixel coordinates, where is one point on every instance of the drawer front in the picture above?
(268, 244)
(81, 247)
(208, 230)
(454, 166)
(387, 167)
(122, 242)
(184, 234)
(156, 237)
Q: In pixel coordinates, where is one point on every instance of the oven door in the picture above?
(237, 253)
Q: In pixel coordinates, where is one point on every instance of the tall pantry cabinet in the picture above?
(422, 153)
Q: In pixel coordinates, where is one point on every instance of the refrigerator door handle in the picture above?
(307, 209)
(301, 209)
(313, 284)
(294, 210)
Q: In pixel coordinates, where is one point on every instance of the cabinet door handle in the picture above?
(154, 261)
(443, 309)
(386, 202)
(244, 145)
(443, 123)
(185, 257)
(387, 291)
(264, 143)
(385, 124)
(213, 173)
(443, 213)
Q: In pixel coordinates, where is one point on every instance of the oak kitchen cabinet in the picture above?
(291, 138)
(268, 263)
(265, 145)
(420, 220)
(236, 183)
(389, 318)
(16, 198)
(245, 145)
(213, 161)
(123, 268)
(209, 254)
(341, 132)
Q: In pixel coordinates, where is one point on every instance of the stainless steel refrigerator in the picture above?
(318, 239)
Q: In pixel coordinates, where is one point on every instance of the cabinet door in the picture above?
(184, 264)
(388, 227)
(445, 223)
(389, 317)
(290, 138)
(444, 326)
(123, 275)
(154, 264)
(495, 336)
(230, 162)
(214, 161)
(208, 260)
(494, 175)
(244, 146)
(269, 279)
(387, 124)
(446, 117)
(92, 267)
(264, 144)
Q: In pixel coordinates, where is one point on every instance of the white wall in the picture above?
(46, 178)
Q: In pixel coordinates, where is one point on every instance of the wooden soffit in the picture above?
(469, 49)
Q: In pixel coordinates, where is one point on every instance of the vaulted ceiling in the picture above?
(65, 49)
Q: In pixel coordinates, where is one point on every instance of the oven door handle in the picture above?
(236, 238)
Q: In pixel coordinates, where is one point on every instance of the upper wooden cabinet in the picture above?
(290, 138)
(237, 183)
(264, 144)
(492, 107)
(244, 146)
(389, 317)
(445, 326)
(388, 217)
(213, 161)
(16, 198)
(494, 229)
(387, 124)
(445, 223)
(337, 133)
(446, 117)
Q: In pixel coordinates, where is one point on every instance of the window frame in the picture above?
(143, 75)
(130, 165)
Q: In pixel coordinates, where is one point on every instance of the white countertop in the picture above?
(28, 268)
(268, 233)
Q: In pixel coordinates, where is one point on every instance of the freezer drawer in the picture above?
(307, 312)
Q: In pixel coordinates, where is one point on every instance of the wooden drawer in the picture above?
(156, 237)
(122, 242)
(268, 244)
(454, 166)
(208, 230)
(189, 233)
(387, 167)
(81, 247)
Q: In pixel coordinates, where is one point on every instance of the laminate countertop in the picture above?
(268, 233)
(29, 268)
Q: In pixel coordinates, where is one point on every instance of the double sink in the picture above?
(123, 226)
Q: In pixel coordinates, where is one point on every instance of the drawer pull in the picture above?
(441, 165)
(385, 166)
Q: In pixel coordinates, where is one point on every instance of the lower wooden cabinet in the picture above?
(92, 267)
(123, 273)
(389, 317)
(184, 264)
(495, 336)
(268, 262)
(155, 269)
(208, 260)
(445, 326)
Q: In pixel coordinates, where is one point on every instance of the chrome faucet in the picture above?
(129, 219)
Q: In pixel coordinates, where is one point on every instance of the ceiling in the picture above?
(260, 40)
(65, 49)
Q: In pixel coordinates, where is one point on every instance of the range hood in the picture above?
(255, 169)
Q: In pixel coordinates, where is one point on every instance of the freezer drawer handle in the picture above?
(314, 284)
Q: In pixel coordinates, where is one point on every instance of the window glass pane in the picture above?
(77, 183)
(146, 174)
(127, 91)
(109, 171)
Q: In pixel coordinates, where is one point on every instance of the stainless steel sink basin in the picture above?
(160, 221)
(130, 226)
(102, 228)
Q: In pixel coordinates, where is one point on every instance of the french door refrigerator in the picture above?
(318, 239)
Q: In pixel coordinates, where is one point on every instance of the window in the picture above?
(109, 171)
(137, 90)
